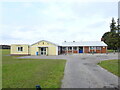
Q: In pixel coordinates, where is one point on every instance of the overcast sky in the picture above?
(55, 21)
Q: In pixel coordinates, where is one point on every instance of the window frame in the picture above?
(74, 48)
(69, 49)
(92, 48)
(64, 48)
(98, 48)
(20, 49)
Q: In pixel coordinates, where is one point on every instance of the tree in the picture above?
(113, 26)
(112, 38)
(118, 26)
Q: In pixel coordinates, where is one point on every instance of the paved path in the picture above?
(82, 71)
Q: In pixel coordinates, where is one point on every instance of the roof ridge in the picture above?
(45, 41)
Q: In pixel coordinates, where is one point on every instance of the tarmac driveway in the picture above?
(82, 71)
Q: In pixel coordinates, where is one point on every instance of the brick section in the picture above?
(86, 49)
(75, 51)
(63, 52)
(103, 49)
(69, 51)
(98, 51)
(92, 51)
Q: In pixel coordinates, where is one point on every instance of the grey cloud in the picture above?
(96, 25)
(88, 9)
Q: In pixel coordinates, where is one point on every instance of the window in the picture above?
(98, 48)
(63, 48)
(74, 48)
(92, 48)
(69, 48)
(59, 48)
(20, 48)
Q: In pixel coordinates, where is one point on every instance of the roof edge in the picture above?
(45, 41)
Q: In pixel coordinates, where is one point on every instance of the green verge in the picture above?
(110, 51)
(0, 69)
(27, 73)
(111, 65)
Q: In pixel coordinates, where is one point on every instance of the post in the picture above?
(72, 50)
(67, 49)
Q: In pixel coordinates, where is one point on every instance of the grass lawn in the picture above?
(27, 73)
(111, 65)
(0, 69)
(110, 51)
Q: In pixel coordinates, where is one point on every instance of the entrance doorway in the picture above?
(80, 49)
(43, 51)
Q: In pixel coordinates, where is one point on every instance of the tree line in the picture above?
(112, 38)
(4, 46)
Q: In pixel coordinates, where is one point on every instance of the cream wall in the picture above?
(51, 48)
(33, 50)
(14, 49)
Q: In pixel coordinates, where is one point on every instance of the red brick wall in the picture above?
(69, 51)
(75, 51)
(63, 52)
(86, 49)
(98, 51)
(92, 50)
(103, 49)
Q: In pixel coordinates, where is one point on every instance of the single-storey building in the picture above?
(44, 47)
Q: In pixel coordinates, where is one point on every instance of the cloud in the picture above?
(59, 1)
(27, 4)
(55, 21)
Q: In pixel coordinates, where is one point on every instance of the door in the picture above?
(80, 49)
(43, 51)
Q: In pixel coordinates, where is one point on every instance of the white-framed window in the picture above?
(98, 48)
(69, 48)
(92, 48)
(74, 48)
(20, 49)
(63, 48)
